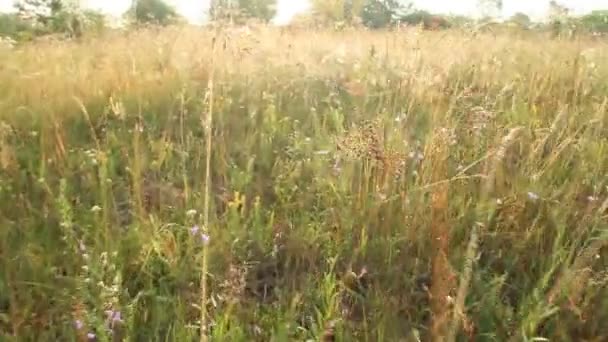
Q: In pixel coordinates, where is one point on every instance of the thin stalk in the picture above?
(208, 124)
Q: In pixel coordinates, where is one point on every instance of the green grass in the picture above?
(365, 186)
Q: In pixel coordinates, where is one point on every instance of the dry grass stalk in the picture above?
(498, 164)
(573, 280)
(366, 142)
(442, 278)
(458, 314)
(207, 122)
(503, 163)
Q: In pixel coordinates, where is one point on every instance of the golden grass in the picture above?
(367, 149)
(143, 63)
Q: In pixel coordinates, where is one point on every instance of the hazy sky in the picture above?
(195, 9)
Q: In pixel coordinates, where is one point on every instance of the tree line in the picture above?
(41, 17)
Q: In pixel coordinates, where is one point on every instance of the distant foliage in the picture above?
(243, 10)
(596, 21)
(557, 11)
(259, 9)
(41, 17)
(460, 21)
(40, 11)
(426, 19)
(378, 14)
(11, 25)
(371, 13)
(521, 19)
(154, 12)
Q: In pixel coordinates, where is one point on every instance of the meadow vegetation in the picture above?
(292, 185)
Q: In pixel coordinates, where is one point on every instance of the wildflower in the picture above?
(78, 324)
(91, 336)
(95, 209)
(197, 233)
(416, 156)
(194, 230)
(114, 316)
(257, 330)
(191, 213)
(533, 196)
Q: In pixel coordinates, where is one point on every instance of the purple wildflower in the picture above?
(205, 238)
(114, 316)
(198, 233)
(194, 230)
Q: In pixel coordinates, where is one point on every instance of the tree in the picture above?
(460, 21)
(558, 16)
(222, 9)
(558, 12)
(353, 10)
(12, 26)
(264, 10)
(426, 19)
(521, 19)
(240, 10)
(378, 13)
(372, 13)
(39, 11)
(382, 13)
(57, 16)
(596, 21)
(153, 12)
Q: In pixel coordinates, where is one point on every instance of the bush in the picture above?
(426, 19)
(154, 12)
(596, 21)
(37, 18)
(11, 26)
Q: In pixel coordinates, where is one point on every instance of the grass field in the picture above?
(297, 185)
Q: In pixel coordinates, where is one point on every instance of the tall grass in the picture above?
(181, 184)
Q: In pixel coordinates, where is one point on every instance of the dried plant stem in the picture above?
(496, 166)
(208, 125)
(463, 287)
(442, 281)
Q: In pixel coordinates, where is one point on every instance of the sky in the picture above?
(194, 10)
